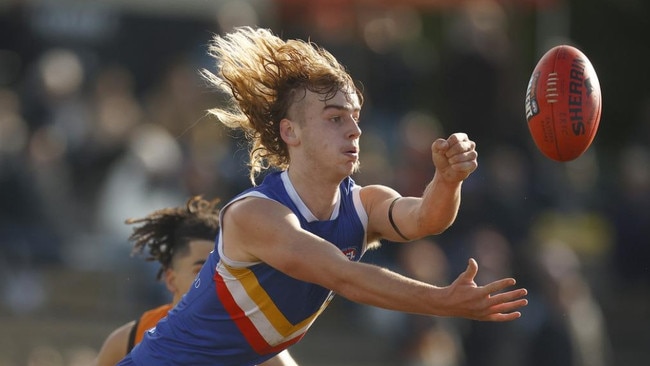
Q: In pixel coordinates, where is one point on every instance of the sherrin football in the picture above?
(563, 103)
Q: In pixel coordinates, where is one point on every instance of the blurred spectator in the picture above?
(630, 215)
(415, 132)
(570, 328)
(492, 344)
(116, 111)
(478, 69)
(142, 180)
(27, 234)
(179, 104)
(501, 194)
(428, 341)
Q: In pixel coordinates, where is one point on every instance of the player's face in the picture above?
(330, 132)
(186, 267)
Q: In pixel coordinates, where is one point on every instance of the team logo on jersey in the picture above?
(351, 253)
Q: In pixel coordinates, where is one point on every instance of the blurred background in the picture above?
(102, 118)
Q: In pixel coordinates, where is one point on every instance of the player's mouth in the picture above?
(352, 152)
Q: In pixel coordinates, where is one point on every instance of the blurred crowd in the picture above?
(103, 117)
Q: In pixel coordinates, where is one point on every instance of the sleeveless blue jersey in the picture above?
(241, 313)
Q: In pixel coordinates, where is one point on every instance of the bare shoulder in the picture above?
(253, 226)
(249, 209)
(375, 196)
(377, 190)
(114, 347)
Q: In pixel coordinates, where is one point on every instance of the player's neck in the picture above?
(318, 194)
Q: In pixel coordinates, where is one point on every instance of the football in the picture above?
(563, 103)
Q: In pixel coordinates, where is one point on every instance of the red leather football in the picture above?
(563, 103)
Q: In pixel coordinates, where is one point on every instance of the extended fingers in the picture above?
(507, 297)
(498, 286)
(507, 304)
(505, 311)
(501, 317)
(504, 306)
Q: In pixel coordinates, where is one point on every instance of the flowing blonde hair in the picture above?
(261, 75)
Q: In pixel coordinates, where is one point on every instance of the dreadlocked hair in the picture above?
(262, 76)
(167, 232)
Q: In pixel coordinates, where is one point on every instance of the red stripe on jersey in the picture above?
(246, 327)
(238, 316)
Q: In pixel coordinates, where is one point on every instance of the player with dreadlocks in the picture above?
(180, 239)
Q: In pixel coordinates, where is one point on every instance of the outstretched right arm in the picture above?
(277, 239)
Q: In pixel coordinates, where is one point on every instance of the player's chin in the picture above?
(354, 167)
(350, 164)
(347, 168)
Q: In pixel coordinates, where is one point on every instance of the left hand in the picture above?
(454, 158)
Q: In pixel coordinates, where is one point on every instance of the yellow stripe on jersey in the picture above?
(260, 308)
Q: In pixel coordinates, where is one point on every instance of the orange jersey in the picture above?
(147, 320)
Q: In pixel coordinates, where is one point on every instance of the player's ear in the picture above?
(169, 276)
(288, 132)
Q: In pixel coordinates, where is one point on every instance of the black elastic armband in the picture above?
(392, 222)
